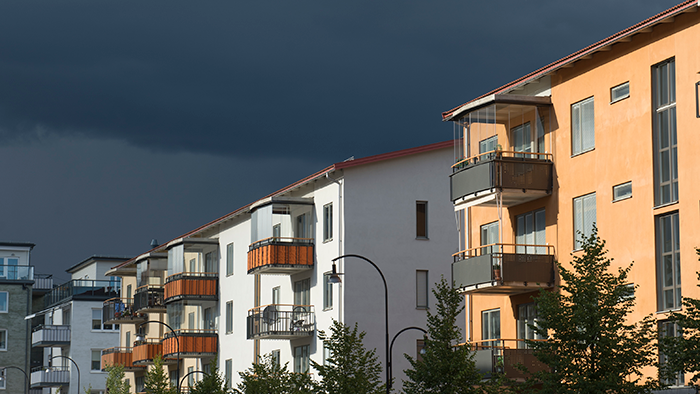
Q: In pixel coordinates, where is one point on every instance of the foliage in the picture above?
(157, 381)
(116, 384)
(212, 382)
(591, 348)
(350, 368)
(683, 352)
(444, 367)
(268, 377)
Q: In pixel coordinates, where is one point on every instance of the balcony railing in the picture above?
(50, 376)
(519, 176)
(506, 356)
(281, 255)
(144, 352)
(150, 298)
(192, 286)
(281, 321)
(50, 336)
(42, 282)
(16, 272)
(193, 343)
(121, 311)
(85, 289)
(504, 268)
(119, 356)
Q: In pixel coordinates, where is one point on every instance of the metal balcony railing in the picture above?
(149, 298)
(49, 336)
(43, 282)
(505, 356)
(279, 321)
(120, 311)
(87, 288)
(50, 376)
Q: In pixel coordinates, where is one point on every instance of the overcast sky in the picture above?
(123, 121)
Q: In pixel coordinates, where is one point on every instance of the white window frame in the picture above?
(613, 89)
(579, 129)
(422, 231)
(328, 222)
(581, 205)
(229, 259)
(327, 292)
(99, 360)
(228, 372)
(3, 330)
(7, 301)
(229, 317)
(616, 189)
(422, 289)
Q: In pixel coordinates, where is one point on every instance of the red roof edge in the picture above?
(583, 52)
(393, 155)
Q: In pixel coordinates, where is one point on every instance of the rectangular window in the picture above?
(527, 317)
(140, 384)
(531, 230)
(627, 291)
(301, 359)
(97, 319)
(210, 262)
(422, 289)
(584, 218)
(190, 378)
(488, 145)
(276, 295)
(491, 326)
(128, 291)
(3, 340)
(327, 291)
(327, 222)
(228, 373)
(668, 262)
(420, 345)
(207, 368)
(522, 139)
(582, 126)
(229, 259)
(622, 191)
(302, 292)
(173, 378)
(670, 329)
(326, 354)
(96, 359)
(128, 339)
(619, 92)
(276, 358)
(489, 236)
(665, 142)
(229, 317)
(421, 219)
(4, 298)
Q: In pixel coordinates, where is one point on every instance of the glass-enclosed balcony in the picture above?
(14, 272)
(506, 356)
(149, 299)
(501, 151)
(50, 377)
(192, 343)
(282, 237)
(504, 268)
(192, 270)
(119, 356)
(121, 311)
(50, 336)
(279, 321)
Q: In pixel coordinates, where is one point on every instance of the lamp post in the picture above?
(391, 348)
(335, 278)
(74, 363)
(188, 374)
(26, 378)
(140, 337)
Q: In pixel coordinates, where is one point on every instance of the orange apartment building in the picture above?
(607, 135)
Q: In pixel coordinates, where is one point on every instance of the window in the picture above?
(140, 384)
(489, 236)
(229, 259)
(491, 326)
(3, 339)
(422, 289)
(3, 378)
(421, 219)
(229, 317)
(128, 291)
(209, 323)
(190, 378)
(326, 354)
(665, 143)
(327, 291)
(619, 92)
(584, 218)
(582, 127)
(420, 345)
(97, 319)
(627, 291)
(623, 191)
(276, 295)
(190, 320)
(210, 262)
(276, 358)
(276, 231)
(207, 368)
(670, 329)
(488, 145)
(668, 262)
(301, 359)
(327, 222)
(522, 139)
(4, 298)
(128, 339)
(173, 378)
(530, 230)
(302, 292)
(95, 364)
(527, 317)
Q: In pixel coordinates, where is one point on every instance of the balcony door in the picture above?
(302, 292)
(522, 139)
(489, 236)
(527, 316)
(491, 327)
(488, 145)
(530, 230)
(302, 226)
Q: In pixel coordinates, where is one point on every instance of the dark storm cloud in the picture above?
(276, 78)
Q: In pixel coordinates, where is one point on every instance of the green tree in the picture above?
(268, 377)
(444, 367)
(156, 380)
(591, 347)
(350, 368)
(116, 384)
(212, 383)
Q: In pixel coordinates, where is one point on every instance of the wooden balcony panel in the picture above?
(187, 287)
(145, 352)
(121, 356)
(191, 345)
(280, 257)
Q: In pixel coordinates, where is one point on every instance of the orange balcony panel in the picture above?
(193, 343)
(191, 286)
(145, 352)
(280, 257)
(119, 355)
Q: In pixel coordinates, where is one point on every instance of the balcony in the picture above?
(144, 352)
(11, 272)
(82, 289)
(121, 356)
(280, 255)
(519, 177)
(281, 322)
(192, 286)
(50, 336)
(505, 355)
(193, 343)
(50, 377)
(121, 311)
(42, 282)
(507, 269)
(149, 298)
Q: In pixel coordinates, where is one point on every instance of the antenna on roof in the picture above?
(154, 243)
(351, 158)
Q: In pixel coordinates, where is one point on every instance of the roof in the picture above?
(95, 258)
(621, 36)
(320, 174)
(18, 244)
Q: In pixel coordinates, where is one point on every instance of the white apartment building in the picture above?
(255, 281)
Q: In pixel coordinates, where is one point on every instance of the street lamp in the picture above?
(188, 374)
(71, 360)
(26, 378)
(391, 348)
(335, 278)
(140, 337)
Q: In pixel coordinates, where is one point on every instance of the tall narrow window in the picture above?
(301, 359)
(421, 219)
(276, 357)
(422, 289)
(229, 317)
(491, 326)
(522, 139)
(302, 292)
(527, 316)
(276, 295)
(488, 145)
(229, 259)
(4, 297)
(489, 236)
(190, 376)
(582, 126)
(327, 291)
(3, 339)
(327, 222)
(210, 262)
(326, 354)
(668, 262)
(128, 292)
(670, 329)
(665, 142)
(229, 372)
(530, 230)
(584, 218)
(96, 360)
(128, 339)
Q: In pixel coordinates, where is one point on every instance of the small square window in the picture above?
(619, 92)
(623, 191)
